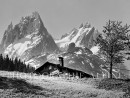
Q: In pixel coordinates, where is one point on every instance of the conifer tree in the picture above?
(1, 61)
(8, 64)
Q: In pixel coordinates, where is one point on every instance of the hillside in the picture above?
(25, 85)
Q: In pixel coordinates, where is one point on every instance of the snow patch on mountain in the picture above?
(95, 49)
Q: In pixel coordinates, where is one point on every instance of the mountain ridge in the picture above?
(82, 36)
(30, 41)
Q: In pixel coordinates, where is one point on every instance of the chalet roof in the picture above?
(46, 63)
(58, 65)
(66, 66)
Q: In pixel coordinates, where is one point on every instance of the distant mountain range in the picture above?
(30, 41)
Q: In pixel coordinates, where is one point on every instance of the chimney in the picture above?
(61, 61)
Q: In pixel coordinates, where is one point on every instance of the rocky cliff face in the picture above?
(28, 39)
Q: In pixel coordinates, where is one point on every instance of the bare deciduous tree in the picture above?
(112, 42)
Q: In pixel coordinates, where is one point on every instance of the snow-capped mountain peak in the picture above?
(83, 37)
(28, 38)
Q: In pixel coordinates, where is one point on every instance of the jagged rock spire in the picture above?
(87, 25)
(36, 15)
(81, 25)
(10, 26)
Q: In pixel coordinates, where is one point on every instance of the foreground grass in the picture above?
(20, 85)
(13, 88)
(115, 84)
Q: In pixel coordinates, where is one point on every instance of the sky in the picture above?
(61, 16)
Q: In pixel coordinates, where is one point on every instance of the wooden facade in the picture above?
(56, 69)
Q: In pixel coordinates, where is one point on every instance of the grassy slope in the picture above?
(15, 84)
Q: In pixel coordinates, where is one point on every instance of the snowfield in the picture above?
(56, 87)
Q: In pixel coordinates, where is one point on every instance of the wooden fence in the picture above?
(120, 73)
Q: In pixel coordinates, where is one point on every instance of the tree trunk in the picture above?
(111, 69)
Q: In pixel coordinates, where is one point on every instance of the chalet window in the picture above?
(50, 67)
